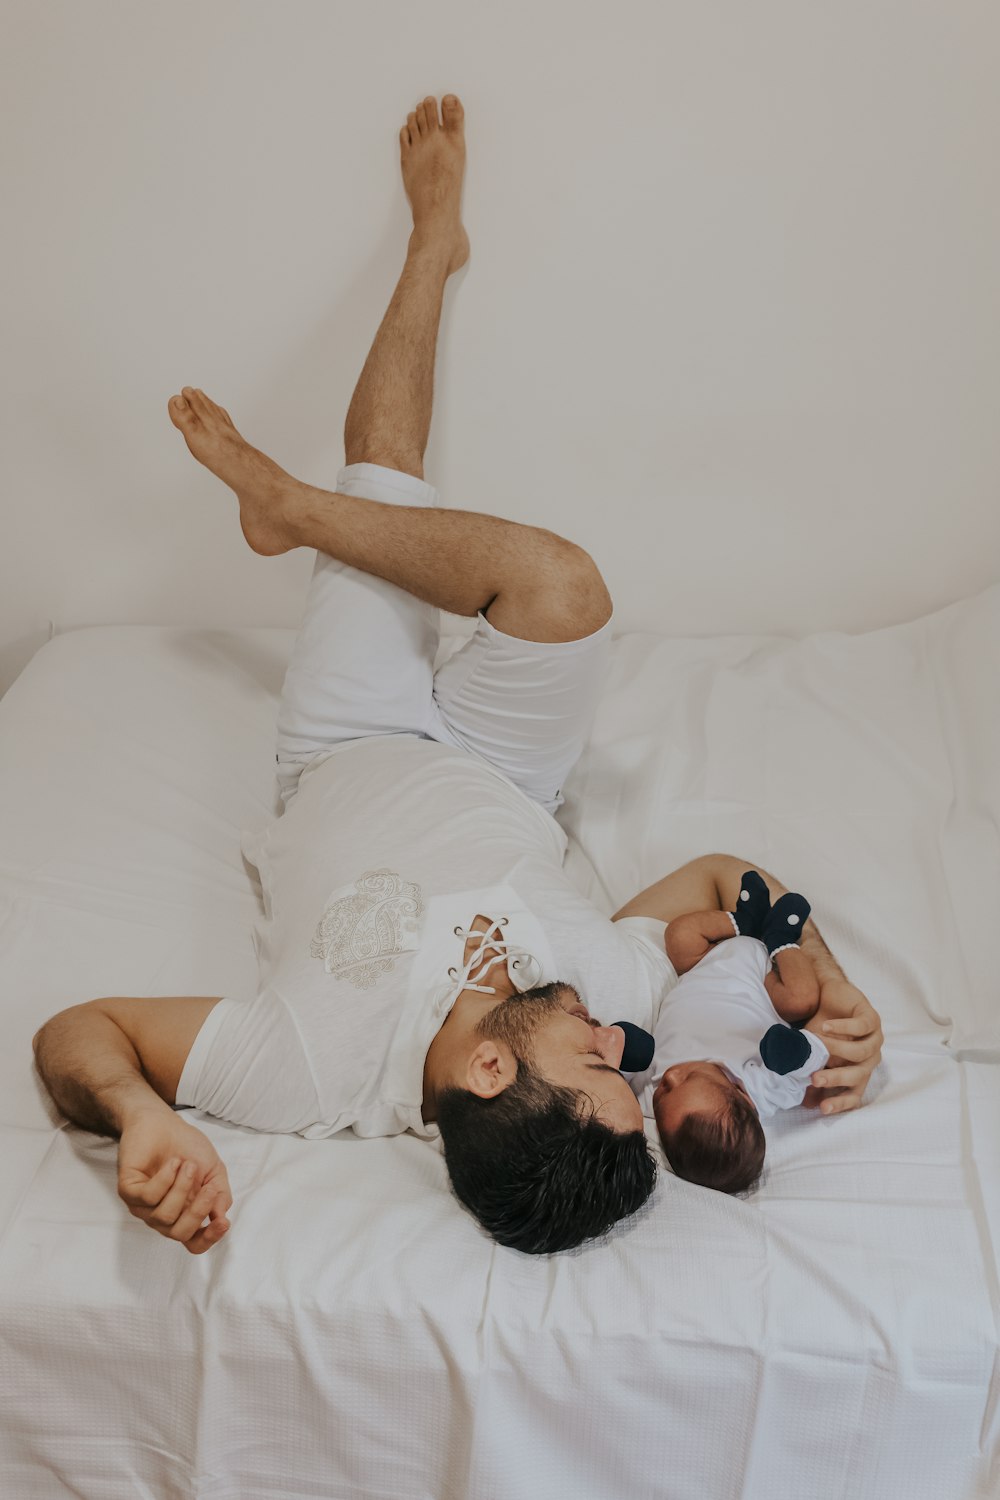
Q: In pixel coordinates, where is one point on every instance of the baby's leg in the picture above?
(792, 986)
(689, 937)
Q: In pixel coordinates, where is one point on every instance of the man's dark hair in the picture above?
(538, 1174)
(724, 1150)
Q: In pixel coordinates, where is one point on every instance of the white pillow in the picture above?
(863, 770)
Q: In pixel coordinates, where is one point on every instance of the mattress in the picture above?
(356, 1335)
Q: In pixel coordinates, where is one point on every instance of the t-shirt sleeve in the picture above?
(818, 1057)
(644, 936)
(248, 1065)
(773, 1091)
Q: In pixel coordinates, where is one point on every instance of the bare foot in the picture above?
(433, 162)
(262, 488)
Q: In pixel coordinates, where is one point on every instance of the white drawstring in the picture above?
(490, 942)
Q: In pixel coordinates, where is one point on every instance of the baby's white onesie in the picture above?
(718, 1012)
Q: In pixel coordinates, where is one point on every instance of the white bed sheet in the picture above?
(356, 1335)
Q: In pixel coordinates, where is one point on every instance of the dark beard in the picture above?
(516, 1020)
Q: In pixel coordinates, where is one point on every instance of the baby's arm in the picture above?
(792, 986)
(688, 938)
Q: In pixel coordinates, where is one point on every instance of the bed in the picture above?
(356, 1335)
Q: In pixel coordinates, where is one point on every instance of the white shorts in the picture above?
(363, 664)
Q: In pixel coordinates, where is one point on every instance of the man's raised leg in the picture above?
(528, 582)
(363, 659)
(389, 418)
(525, 710)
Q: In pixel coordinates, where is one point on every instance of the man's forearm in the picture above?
(728, 872)
(713, 880)
(823, 961)
(92, 1070)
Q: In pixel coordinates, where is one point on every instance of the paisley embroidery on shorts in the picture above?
(367, 927)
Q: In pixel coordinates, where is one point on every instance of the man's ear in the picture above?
(490, 1069)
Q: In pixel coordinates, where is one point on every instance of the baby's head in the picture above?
(709, 1126)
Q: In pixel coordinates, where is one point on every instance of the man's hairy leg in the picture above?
(389, 418)
(529, 582)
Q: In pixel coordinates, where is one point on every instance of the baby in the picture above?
(730, 1050)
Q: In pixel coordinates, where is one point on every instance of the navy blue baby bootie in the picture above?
(782, 1049)
(639, 1048)
(783, 927)
(753, 905)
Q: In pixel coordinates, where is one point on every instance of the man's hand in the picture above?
(171, 1176)
(850, 1026)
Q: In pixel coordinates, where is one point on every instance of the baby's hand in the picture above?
(850, 1026)
(689, 937)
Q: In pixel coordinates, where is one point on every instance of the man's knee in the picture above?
(572, 590)
(387, 455)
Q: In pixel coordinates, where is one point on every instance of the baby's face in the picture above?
(701, 1088)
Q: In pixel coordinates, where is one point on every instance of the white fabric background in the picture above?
(355, 1334)
(731, 319)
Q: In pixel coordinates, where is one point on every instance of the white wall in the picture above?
(731, 318)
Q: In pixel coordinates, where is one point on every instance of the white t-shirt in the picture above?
(390, 844)
(718, 1012)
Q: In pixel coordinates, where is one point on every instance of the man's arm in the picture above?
(713, 883)
(852, 1030)
(112, 1066)
(845, 1016)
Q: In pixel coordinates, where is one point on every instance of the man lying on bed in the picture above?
(428, 960)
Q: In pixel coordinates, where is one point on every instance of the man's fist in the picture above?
(850, 1026)
(171, 1176)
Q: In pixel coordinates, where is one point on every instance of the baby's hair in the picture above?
(724, 1151)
